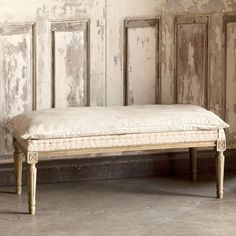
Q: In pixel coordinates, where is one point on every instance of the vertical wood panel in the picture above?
(70, 64)
(167, 59)
(230, 73)
(141, 64)
(191, 75)
(17, 78)
(216, 66)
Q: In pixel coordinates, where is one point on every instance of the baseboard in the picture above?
(114, 167)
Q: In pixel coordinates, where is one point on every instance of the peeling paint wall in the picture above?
(16, 79)
(231, 78)
(84, 52)
(191, 60)
(70, 60)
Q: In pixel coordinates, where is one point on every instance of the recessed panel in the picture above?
(141, 71)
(191, 63)
(70, 65)
(141, 62)
(16, 80)
(231, 81)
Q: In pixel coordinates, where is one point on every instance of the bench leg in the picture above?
(193, 162)
(18, 170)
(32, 159)
(220, 160)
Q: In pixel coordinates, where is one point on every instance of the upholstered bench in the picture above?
(88, 130)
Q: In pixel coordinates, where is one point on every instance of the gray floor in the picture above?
(146, 206)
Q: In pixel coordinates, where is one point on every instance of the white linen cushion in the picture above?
(94, 121)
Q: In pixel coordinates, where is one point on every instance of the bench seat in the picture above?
(86, 130)
(112, 141)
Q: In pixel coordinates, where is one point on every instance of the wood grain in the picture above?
(191, 76)
(230, 77)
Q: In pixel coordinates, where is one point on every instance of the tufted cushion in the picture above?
(94, 121)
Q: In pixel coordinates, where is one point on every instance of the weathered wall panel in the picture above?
(70, 64)
(230, 72)
(75, 11)
(17, 78)
(216, 91)
(191, 60)
(141, 48)
(71, 88)
(200, 77)
(117, 13)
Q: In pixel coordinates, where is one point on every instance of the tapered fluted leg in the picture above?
(18, 170)
(32, 175)
(220, 161)
(32, 159)
(193, 162)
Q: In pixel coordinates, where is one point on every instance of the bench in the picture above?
(88, 130)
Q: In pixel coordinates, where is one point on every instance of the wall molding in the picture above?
(227, 19)
(70, 26)
(25, 28)
(18, 60)
(141, 23)
(192, 20)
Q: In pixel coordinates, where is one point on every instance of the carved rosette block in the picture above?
(32, 157)
(221, 145)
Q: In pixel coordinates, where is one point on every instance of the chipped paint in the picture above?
(141, 44)
(216, 66)
(231, 80)
(218, 40)
(70, 69)
(228, 5)
(191, 64)
(167, 64)
(186, 4)
(106, 56)
(16, 82)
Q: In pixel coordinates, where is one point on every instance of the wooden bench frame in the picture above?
(21, 152)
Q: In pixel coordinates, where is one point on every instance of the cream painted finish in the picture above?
(42, 40)
(32, 158)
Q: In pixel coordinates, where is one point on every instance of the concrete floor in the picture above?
(146, 206)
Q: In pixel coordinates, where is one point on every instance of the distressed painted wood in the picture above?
(191, 76)
(141, 48)
(70, 64)
(211, 22)
(220, 164)
(117, 13)
(62, 11)
(216, 91)
(167, 50)
(32, 160)
(17, 77)
(32, 177)
(220, 160)
(230, 76)
(32, 157)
